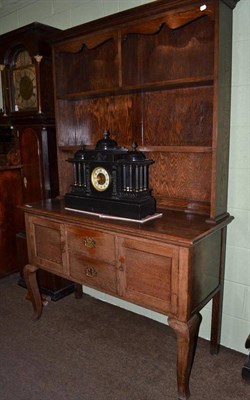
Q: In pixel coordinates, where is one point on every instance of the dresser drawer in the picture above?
(92, 244)
(92, 272)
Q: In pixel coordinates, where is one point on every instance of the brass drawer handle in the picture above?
(89, 242)
(91, 272)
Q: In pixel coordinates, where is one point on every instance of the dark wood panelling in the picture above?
(169, 54)
(11, 218)
(206, 260)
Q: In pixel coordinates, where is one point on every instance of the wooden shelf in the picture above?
(89, 93)
(71, 148)
(164, 85)
(173, 84)
(163, 149)
(176, 149)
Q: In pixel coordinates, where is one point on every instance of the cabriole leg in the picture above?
(187, 334)
(33, 290)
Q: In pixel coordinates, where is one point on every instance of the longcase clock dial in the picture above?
(25, 88)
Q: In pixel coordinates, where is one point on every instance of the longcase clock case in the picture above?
(28, 106)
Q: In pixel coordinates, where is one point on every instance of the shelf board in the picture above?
(172, 84)
(176, 149)
(163, 85)
(73, 148)
(162, 149)
(89, 93)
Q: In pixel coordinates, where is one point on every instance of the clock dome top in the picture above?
(106, 143)
(134, 155)
(80, 154)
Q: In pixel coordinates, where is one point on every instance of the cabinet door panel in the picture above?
(47, 247)
(150, 274)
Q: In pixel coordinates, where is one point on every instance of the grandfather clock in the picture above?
(28, 105)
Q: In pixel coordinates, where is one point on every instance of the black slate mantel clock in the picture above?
(111, 180)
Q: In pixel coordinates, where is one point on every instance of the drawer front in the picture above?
(92, 244)
(148, 274)
(46, 241)
(92, 272)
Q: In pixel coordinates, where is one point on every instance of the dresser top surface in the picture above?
(175, 227)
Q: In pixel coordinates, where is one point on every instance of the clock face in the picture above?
(100, 179)
(25, 89)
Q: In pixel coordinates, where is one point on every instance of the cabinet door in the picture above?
(38, 154)
(92, 258)
(31, 154)
(148, 274)
(46, 244)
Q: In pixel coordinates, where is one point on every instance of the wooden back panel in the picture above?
(151, 75)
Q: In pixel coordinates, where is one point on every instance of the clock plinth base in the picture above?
(118, 208)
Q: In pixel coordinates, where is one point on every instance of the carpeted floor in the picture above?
(89, 350)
